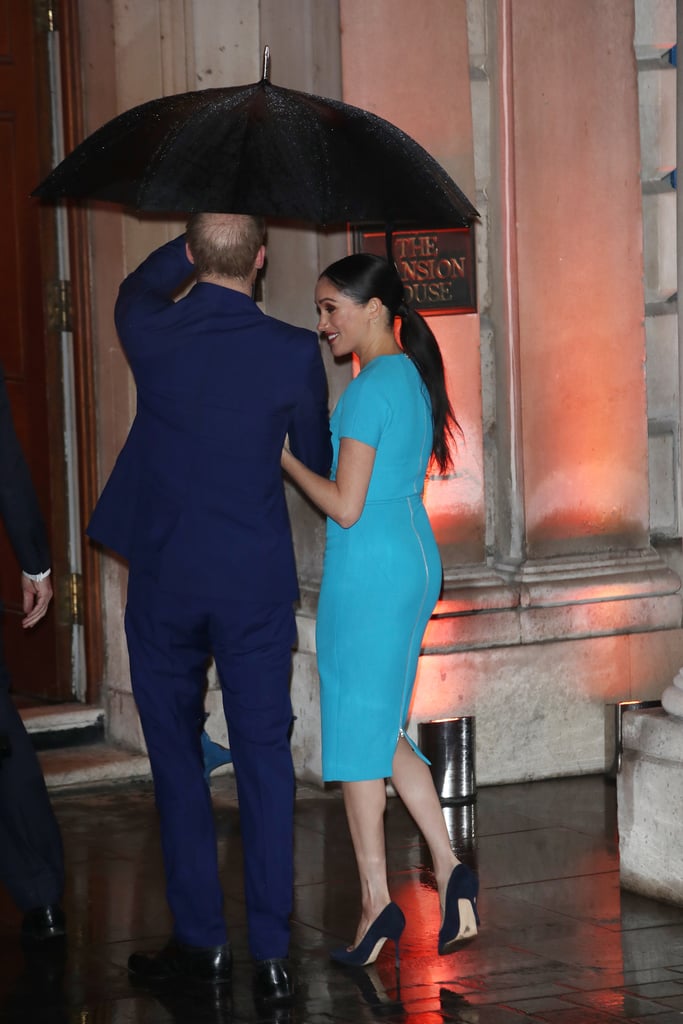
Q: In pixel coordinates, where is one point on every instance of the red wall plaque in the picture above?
(436, 267)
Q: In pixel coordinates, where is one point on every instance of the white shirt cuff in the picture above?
(37, 577)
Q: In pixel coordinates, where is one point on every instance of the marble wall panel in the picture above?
(540, 709)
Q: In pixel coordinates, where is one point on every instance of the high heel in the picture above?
(460, 917)
(388, 925)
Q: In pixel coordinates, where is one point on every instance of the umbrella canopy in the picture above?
(263, 150)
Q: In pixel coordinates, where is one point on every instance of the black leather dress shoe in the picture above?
(210, 965)
(43, 924)
(273, 982)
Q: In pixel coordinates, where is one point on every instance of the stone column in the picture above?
(672, 697)
(579, 272)
(573, 609)
(409, 64)
(131, 53)
(650, 784)
(303, 36)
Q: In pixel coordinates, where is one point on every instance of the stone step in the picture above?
(96, 764)
(63, 725)
(72, 749)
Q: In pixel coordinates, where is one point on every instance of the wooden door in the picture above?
(39, 660)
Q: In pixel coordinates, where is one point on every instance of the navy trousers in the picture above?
(170, 639)
(31, 856)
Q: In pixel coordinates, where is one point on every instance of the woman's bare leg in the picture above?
(413, 782)
(365, 803)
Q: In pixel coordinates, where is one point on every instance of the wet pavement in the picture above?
(559, 942)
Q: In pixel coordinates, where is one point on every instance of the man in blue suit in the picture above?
(196, 504)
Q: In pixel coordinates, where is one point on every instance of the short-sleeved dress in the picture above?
(381, 577)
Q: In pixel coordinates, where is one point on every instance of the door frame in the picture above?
(78, 600)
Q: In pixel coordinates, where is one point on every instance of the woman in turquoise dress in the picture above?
(381, 580)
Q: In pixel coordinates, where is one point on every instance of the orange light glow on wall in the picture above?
(455, 502)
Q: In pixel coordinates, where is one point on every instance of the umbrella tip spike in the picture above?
(266, 64)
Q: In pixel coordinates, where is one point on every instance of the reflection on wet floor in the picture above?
(559, 942)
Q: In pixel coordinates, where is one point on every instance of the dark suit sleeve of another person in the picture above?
(309, 427)
(31, 858)
(19, 507)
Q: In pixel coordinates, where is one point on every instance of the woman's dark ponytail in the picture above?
(419, 343)
(363, 277)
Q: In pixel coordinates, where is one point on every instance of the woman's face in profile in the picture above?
(342, 322)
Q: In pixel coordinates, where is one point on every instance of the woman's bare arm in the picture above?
(341, 499)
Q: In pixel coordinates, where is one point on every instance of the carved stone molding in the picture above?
(556, 599)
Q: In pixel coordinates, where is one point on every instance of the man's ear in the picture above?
(188, 253)
(260, 257)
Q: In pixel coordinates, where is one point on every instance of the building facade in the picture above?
(560, 527)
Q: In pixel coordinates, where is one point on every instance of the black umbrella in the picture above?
(263, 150)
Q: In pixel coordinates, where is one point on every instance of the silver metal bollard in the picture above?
(449, 743)
(614, 714)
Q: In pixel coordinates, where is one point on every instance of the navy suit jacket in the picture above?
(19, 507)
(196, 497)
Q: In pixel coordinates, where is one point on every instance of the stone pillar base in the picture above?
(649, 799)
